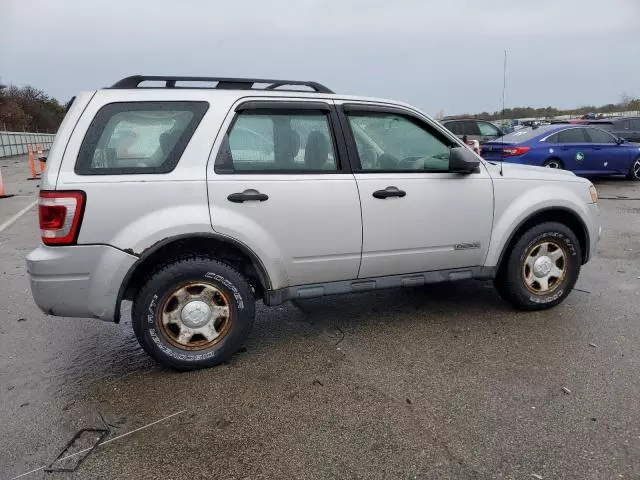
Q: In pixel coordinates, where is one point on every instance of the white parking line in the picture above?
(13, 219)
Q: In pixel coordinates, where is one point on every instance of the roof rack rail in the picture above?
(221, 83)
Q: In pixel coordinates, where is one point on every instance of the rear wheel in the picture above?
(634, 171)
(553, 163)
(541, 269)
(193, 313)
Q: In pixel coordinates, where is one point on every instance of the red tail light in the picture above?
(60, 214)
(514, 151)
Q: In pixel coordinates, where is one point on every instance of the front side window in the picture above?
(635, 124)
(392, 142)
(138, 137)
(572, 135)
(599, 136)
(279, 142)
(488, 130)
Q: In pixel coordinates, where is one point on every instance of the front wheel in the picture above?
(634, 171)
(194, 313)
(541, 269)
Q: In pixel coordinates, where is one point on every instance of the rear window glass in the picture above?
(525, 134)
(138, 137)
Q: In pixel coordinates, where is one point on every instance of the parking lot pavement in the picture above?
(14, 175)
(444, 381)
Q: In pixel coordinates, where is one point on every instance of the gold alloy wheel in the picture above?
(544, 267)
(195, 316)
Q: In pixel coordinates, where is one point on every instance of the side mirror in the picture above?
(462, 160)
(619, 140)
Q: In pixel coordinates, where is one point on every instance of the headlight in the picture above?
(594, 193)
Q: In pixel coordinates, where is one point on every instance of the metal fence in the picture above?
(15, 143)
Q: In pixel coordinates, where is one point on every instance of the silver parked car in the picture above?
(195, 202)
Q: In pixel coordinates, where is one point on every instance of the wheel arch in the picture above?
(226, 249)
(563, 215)
(555, 157)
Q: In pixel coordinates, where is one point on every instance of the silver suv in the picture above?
(195, 202)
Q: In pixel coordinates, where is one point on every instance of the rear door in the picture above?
(280, 184)
(573, 148)
(417, 216)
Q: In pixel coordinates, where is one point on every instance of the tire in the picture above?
(193, 313)
(553, 163)
(634, 171)
(522, 276)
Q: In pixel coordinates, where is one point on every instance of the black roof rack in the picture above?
(221, 83)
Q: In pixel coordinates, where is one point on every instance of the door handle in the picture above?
(389, 192)
(248, 196)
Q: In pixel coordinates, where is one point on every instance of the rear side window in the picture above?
(573, 135)
(469, 127)
(635, 124)
(278, 141)
(454, 127)
(138, 137)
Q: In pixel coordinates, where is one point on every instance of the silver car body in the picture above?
(449, 226)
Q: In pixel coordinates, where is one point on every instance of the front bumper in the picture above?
(595, 229)
(78, 280)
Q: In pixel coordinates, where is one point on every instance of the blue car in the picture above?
(583, 149)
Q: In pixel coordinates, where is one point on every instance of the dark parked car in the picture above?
(623, 127)
(479, 130)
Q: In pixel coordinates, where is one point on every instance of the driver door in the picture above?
(416, 215)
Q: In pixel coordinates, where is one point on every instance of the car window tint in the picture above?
(572, 135)
(487, 129)
(138, 137)
(273, 141)
(635, 124)
(470, 127)
(391, 142)
(552, 139)
(599, 136)
(453, 127)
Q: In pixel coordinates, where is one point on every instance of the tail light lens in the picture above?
(514, 151)
(60, 214)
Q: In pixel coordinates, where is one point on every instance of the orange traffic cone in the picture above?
(42, 165)
(2, 192)
(32, 163)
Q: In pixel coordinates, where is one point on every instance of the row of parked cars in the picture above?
(586, 147)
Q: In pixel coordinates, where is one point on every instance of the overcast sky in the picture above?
(445, 54)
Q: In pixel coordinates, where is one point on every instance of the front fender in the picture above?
(512, 209)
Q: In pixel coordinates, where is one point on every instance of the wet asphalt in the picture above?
(443, 381)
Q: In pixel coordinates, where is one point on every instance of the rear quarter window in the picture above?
(138, 137)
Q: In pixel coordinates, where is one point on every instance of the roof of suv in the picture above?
(243, 87)
(223, 83)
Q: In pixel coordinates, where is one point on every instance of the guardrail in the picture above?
(15, 143)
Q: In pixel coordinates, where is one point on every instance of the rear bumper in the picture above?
(79, 280)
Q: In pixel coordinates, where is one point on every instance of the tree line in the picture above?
(627, 103)
(27, 109)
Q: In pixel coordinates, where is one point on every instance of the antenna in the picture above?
(504, 88)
